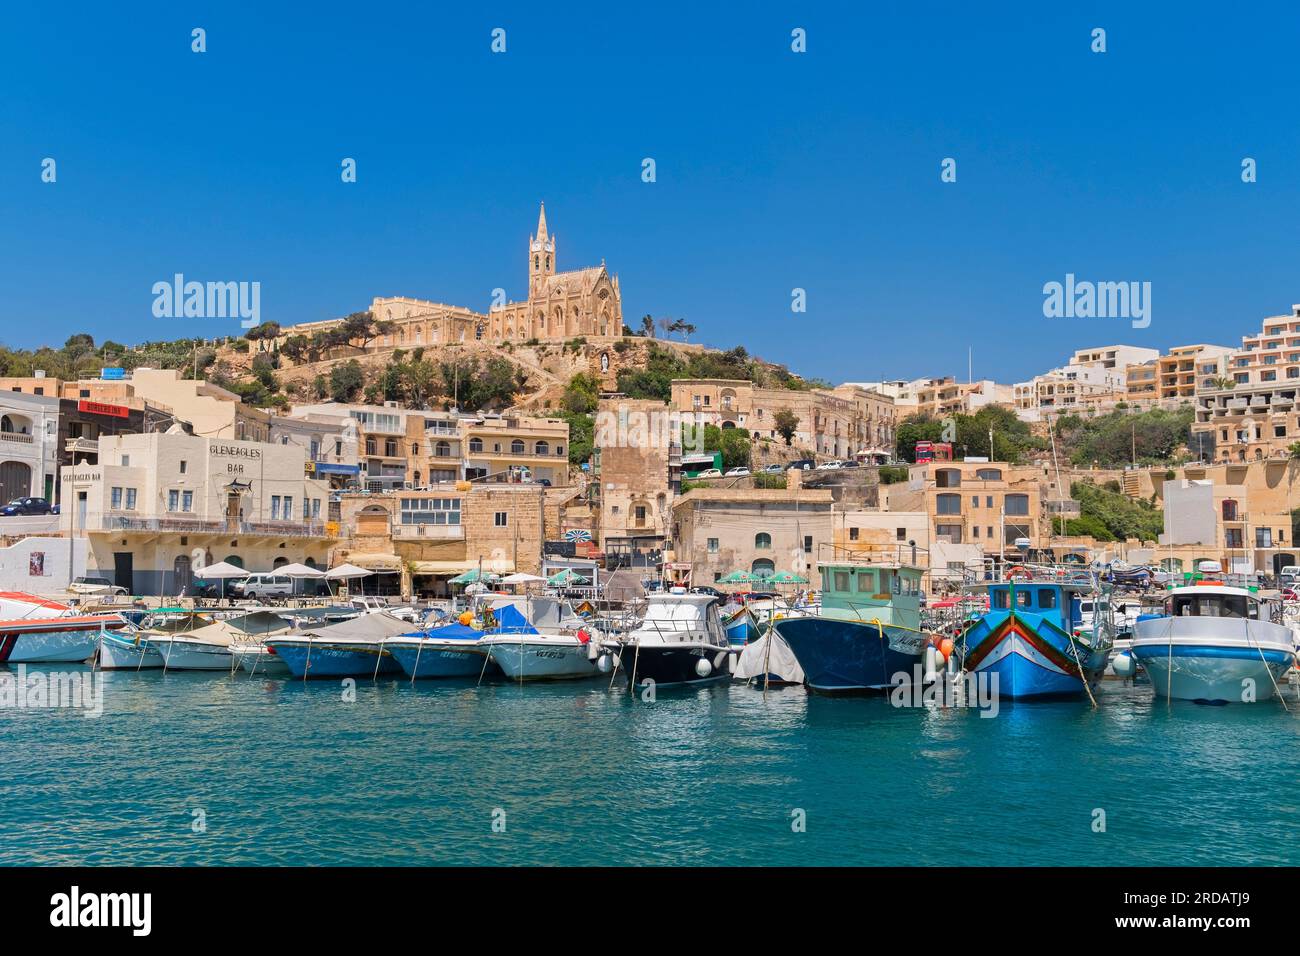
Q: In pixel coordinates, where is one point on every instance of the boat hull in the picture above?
(538, 660)
(320, 659)
(260, 661)
(116, 654)
(742, 631)
(193, 655)
(672, 665)
(1215, 660)
(68, 647)
(1031, 659)
(839, 656)
(439, 659)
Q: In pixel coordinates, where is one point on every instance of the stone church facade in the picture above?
(560, 306)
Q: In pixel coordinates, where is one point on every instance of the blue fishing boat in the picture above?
(1032, 636)
(740, 625)
(867, 631)
(354, 648)
(452, 650)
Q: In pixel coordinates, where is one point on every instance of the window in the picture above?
(947, 478)
(476, 446)
(315, 507)
(542, 448)
(424, 510)
(559, 450)
(1232, 537)
(1263, 537)
(975, 531)
(173, 500)
(1046, 597)
(807, 544)
(442, 450)
(126, 461)
(950, 531)
(989, 474)
(516, 447)
(841, 580)
(130, 499)
(900, 534)
(187, 501)
(500, 519)
(116, 499)
(866, 582)
(288, 508)
(762, 541)
(275, 507)
(184, 465)
(1016, 504)
(853, 534)
(713, 546)
(974, 501)
(948, 504)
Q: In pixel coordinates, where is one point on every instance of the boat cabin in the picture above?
(1061, 604)
(1203, 601)
(888, 592)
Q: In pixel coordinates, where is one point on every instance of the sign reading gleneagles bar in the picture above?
(238, 454)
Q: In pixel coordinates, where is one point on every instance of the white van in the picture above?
(259, 586)
(1290, 574)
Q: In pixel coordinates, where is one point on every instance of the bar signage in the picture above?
(103, 408)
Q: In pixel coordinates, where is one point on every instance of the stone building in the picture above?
(717, 531)
(559, 305)
(632, 476)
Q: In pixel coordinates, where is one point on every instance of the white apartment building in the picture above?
(158, 507)
(29, 434)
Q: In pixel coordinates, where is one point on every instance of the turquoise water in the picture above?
(287, 773)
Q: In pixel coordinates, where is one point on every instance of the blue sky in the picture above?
(775, 170)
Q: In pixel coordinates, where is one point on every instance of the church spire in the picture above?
(541, 224)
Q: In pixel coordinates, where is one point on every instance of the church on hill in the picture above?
(560, 306)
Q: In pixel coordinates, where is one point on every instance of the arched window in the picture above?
(442, 449)
(542, 448)
(947, 478)
(989, 474)
(415, 448)
(763, 567)
(234, 559)
(517, 447)
(6, 424)
(476, 446)
(762, 541)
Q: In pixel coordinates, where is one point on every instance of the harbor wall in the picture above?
(39, 565)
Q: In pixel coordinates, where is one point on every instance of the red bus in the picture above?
(933, 451)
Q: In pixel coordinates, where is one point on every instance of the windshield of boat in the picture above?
(1213, 605)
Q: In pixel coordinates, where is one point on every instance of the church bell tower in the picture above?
(541, 257)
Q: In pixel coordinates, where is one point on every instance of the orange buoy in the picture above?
(945, 648)
(466, 618)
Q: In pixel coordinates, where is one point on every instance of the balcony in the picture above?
(428, 532)
(18, 438)
(180, 525)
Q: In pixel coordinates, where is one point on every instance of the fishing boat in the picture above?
(207, 648)
(256, 658)
(1215, 643)
(353, 648)
(740, 625)
(36, 630)
(868, 628)
(679, 641)
(126, 650)
(1032, 636)
(541, 638)
(450, 650)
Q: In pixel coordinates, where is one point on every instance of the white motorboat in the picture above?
(541, 638)
(208, 648)
(35, 630)
(680, 640)
(127, 650)
(1215, 644)
(256, 658)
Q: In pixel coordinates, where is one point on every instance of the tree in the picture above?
(582, 394)
(295, 347)
(346, 380)
(267, 330)
(648, 326)
(787, 423)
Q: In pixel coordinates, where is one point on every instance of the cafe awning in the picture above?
(452, 568)
(375, 561)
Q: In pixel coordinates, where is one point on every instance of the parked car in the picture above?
(95, 586)
(737, 473)
(710, 473)
(706, 589)
(773, 470)
(259, 586)
(833, 465)
(1289, 575)
(27, 506)
(849, 463)
(803, 464)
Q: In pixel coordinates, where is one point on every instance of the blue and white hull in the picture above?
(1214, 660)
(318, 659)
(843, 656)
(431, 657)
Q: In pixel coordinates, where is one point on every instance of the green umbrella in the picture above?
(786, 577)
(567, 576)
(738, 577)
(471, 577)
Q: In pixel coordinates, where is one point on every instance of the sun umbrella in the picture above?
(786, 577)
(345, 571)
(472, 576)
(221, 571)
(567, 576)
(522, 578)
(300, 571)
(738, 577)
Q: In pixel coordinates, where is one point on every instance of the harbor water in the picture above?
(187, 768)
